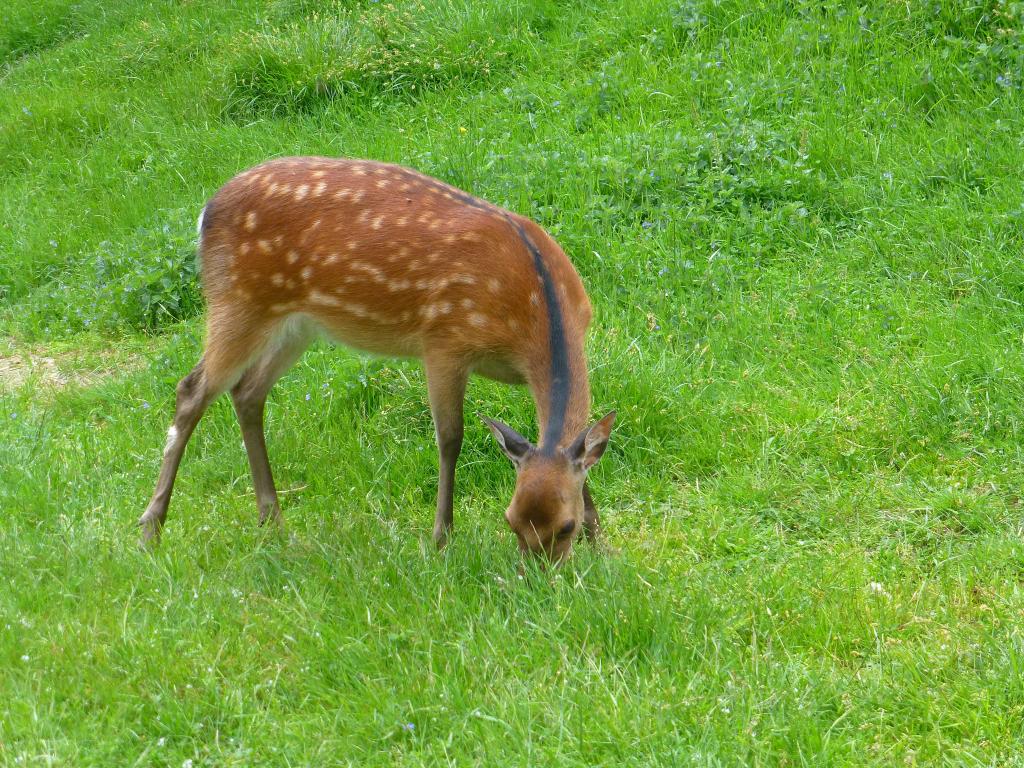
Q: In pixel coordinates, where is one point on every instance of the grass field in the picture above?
(801, 227)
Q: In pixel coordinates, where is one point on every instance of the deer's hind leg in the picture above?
(249, 396)
(446, 388)
(233, 339)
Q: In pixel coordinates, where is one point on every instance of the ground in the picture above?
(800, 225)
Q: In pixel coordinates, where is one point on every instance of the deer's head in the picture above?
(546, 511)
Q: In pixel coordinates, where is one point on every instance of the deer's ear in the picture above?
(588, 447)
(515, 446)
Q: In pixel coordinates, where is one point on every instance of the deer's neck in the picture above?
(558, 379)
(563, 403)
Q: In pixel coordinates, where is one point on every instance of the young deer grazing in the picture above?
(392, 262)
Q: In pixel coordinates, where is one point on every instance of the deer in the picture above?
(388, 261)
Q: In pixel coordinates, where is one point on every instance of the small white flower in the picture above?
(25, 657)
(161, 741)
(187, 763)
(876, 587)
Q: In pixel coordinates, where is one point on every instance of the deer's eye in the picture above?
(567, 529)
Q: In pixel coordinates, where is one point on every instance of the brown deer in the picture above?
(392, 262)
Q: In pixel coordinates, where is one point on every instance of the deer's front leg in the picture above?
(591, 520)
(446, 387)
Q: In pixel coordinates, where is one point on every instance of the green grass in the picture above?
(800, 225)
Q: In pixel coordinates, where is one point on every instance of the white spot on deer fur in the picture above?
(331, 258)
(271, 189)
(433, 310)
(376, 272)
(318, 297)
(319, 174)
(382, 183)
(359, 170)
(244, 248)
(424, 217)
(405, 187)
(435, 224)
(289, 284)
(472, 237)
(363, 216)
(306, 273)
(172, 438)
(467, 303)
(463, 279)
(279, 240)
(403, 251)
(513, 324)
(264, 245)
(358, 195)
(319, 188)
(301, 191)
(307, 234)
(401, 221)
(535, 298)
(286, 189)
(378, 222)
(342, 193)
(352, 245)
(250, 221)
(475, 318)
(414, 264)
(277, 279)
(404, 316)
(398, 285)
(449, 239)
(292, 257)
(494, 285)
(281, 308)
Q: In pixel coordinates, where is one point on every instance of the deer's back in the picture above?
(385, 258)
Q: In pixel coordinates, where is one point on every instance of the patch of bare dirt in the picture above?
(15, 371)
(32, 367)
